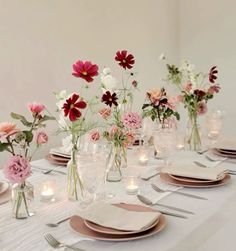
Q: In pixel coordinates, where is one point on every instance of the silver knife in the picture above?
(172, 214)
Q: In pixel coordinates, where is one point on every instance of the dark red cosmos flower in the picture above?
(199, 93)
(85, 70)
(109, 99)
(126, 61)
(72, 107)
(213, 74)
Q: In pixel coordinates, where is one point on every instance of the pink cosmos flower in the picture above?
(41, 138)
(213, 89)
(94, 135)
(202, 108)
(17, 169)
(36, 108)
(7, 129)
(85, 70)
(131, 120)
(188, 87)
(105, 113)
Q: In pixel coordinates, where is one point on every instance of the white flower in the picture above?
(187, 67)
(109, 83)
(162, 57)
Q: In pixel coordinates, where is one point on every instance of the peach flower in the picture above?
(95, 135)
(154, 95)
(105, 112)
(130, 138)
(41, 138)
(7, 129)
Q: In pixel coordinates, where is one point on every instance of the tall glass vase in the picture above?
(193, 136)
(75, 186)
(116, 159)
(22, 200)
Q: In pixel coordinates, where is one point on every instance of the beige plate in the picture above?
(55, 162)
(226, 155)
(3, 186)
(59, 158)
(193, 180)
(168, 179)
(78, 225)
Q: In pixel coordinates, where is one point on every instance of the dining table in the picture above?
(211, 227)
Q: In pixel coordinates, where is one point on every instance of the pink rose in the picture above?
(105, 113)
(131, 120)
(7, 129)
(130, 139)
(36, 108)
(201, 108)
(155, 95)
(95, 136)
(41, 138)
(17, 169)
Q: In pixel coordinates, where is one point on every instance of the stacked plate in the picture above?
(91, 230)
(5, 192)
(193, 182)
(225, 148)
(58, 157)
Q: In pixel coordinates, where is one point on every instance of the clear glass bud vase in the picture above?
(22, 200)
(193, 136)
(116, 159)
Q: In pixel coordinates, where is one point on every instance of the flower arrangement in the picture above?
(18, 143)
(196, 90)
(159, 106)
(76, 118)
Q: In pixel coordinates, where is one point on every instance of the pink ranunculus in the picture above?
(201, 108)
(131, 120)
(94, 135)
(105, 113)
(188, 87)
(7, 129)
(130, 139)
(41, 138)
(36, 108)
(17, 169)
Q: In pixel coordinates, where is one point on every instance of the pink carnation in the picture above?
(201, 108)
(41, 138)
(132, 120)
(95, 135)
(7, 129)
(36, 108)
(17, 169)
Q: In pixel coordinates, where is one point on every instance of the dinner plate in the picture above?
(226, 155)
(168, 179)
(225, 151)
(3, 186)
(107, 230)
(194, 180)
(78, 225)
(55, 162)
(59, 158)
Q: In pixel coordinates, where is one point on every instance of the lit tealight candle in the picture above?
(47, 191)
(143, 156)
(131, 185)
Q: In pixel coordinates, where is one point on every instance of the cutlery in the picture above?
(47, 171)
(202, 151)
(57, 223)
(215, 159)
(156, 188)
(232, 172)
(56, 244)
(150, 203)
(148, 178)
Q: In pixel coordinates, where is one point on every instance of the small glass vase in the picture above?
(193, 136)
(75, 186)
(116, 159)
(22, 200)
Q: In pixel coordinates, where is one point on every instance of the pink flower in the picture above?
(85, 70)
(17, 169)
(114, 130)
(155, 95)
(95, 135)
(172, 102)
(36, 108)
(201, 108)
(131, 120)
(41, 138)
(130, 138)
(105, 113)
(7, 129)
(213, 89)
(188, 87)
(180, 98)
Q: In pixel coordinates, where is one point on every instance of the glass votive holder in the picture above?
(214, 123)
(47, 190)
(180, 141)
(143, 156)
(131, 185)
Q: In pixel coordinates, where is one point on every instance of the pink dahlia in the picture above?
(17, 169)
(85, 70)
(7, 129)
(132, 120)
(36, 108)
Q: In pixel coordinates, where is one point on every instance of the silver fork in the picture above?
(56, 244)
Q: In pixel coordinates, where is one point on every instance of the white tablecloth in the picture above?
(211, 228)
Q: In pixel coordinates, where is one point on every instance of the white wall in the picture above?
(40, 40)
(207, 37)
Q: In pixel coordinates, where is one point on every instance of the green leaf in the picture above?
(23, 120)
(3, 146)
(28, 136)
(145, 106)
(46, 118)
